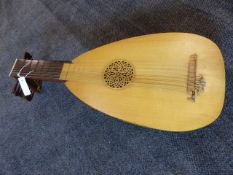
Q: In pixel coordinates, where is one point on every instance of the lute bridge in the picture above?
(195, 83)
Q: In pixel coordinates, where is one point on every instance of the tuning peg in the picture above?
(27, 56)
(34, 85)
(17, 91)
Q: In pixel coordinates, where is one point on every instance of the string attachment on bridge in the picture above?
(195, 84)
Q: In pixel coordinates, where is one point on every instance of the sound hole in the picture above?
(119, 74)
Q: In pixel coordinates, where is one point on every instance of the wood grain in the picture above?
(157, 96)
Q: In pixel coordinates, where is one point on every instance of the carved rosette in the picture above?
(119, 74)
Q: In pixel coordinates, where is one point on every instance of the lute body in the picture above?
(168, 81)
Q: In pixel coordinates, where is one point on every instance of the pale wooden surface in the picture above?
(152, 105)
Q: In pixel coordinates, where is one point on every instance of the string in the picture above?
(28, 73)
(54, 71)
(138, 77)
(46, 70)
(18, 74)
(167, 79)
(92, 74)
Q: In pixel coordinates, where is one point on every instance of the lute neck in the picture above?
(38, 69)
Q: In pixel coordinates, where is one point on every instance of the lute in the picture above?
(166, 81)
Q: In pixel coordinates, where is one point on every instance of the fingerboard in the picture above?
(40, 69)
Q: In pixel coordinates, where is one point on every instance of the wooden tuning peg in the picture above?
(34, 85)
